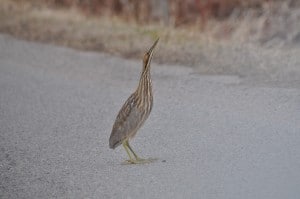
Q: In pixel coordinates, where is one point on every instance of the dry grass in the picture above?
(112, 35)
(214, 51)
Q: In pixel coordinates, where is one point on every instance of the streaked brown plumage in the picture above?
(135, 111)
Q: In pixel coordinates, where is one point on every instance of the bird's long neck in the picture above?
(145, 85)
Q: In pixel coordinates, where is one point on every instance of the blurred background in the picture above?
(238, 37)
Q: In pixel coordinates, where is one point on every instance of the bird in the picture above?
(134, 112)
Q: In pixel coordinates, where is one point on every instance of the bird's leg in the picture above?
(131, 160)
(138, 160)
(135, 155)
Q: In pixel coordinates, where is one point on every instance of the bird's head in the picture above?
(148, 55)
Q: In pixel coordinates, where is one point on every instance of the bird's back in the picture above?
(129, 119)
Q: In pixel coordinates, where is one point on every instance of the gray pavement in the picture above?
(214, 136)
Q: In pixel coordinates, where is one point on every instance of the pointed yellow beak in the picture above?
(152, 47)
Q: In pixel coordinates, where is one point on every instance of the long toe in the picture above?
(139, 161)
(127, 162)
(145, 161)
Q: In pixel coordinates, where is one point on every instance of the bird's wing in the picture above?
(127, 122)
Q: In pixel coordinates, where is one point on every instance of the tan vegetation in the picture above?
(188, 31)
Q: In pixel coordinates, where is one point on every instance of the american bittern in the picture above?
(134, 112)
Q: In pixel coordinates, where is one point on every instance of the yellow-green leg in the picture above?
(131, 160)
(137, 159)
(129, 147)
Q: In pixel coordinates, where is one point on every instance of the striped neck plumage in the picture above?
(145, 84)
(145, 87)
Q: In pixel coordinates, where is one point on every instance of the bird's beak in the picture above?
(152, 47)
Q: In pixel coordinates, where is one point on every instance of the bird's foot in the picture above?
(140, 161)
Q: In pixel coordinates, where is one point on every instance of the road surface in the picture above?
(214, 136)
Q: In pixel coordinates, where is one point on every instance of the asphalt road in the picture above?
(214, 136)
